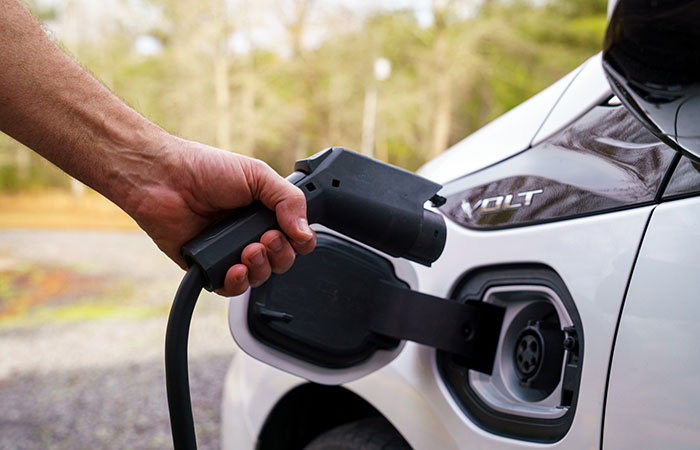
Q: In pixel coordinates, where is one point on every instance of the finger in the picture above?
(283, 197)
(279, 252)
(303, 248)
(236, 281)
(254, 256)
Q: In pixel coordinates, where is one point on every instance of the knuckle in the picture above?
(282, 268)
(297, 194)
(261, 167)
(258, 282)
(305, 248)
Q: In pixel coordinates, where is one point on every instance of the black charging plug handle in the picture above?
(375, 203)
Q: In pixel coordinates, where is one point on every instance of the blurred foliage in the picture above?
(289, 98)
(39, 294)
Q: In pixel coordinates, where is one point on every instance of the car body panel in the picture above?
(408, 391)
(653, 393)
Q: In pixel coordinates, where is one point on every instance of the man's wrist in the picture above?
(142, 161)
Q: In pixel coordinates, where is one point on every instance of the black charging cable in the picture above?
(176, 373)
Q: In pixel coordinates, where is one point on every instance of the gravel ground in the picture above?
(100, 383)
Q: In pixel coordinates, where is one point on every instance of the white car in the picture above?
(573, 219)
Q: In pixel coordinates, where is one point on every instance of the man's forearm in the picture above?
(52, 105)
(173, 188)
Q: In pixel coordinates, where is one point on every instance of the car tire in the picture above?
(375, 433)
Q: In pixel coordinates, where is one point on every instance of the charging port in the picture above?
(527, 376)
(538, 356)
(528, 355)
(536, 373)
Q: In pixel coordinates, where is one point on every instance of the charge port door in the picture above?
(342, 312)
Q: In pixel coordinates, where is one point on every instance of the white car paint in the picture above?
(654, 394)
(251, 390)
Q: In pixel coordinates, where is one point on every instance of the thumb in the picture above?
(284, 198)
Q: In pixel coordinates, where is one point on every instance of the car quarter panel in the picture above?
(654, 396)
(594, 257)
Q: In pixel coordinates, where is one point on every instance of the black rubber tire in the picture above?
(375, 433)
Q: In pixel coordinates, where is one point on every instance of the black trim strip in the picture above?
(667, 177)
(673, 198)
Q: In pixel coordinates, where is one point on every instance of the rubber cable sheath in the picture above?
(176, 373)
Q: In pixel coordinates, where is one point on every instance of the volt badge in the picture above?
(500, 203)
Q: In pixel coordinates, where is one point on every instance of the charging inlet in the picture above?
(532, 392)
(527, 376)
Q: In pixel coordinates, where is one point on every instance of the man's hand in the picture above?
(173, 188)
(190, 186)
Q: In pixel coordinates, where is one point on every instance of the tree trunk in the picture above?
(443, 88)
(369, 119)
(443, 116)
(222, 78)
(223, 101)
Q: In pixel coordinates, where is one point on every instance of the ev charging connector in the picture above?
(374, 203)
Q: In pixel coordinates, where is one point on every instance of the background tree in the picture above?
(280, 80)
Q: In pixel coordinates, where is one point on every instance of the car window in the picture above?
(685, 180)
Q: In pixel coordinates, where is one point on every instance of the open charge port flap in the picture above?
(340, 304)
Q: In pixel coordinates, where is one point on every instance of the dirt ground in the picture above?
(58, 209)
(82, 324)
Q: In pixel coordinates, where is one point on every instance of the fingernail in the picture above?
(304, 229)
(240, 278)
(257, 258)
(276, 244)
